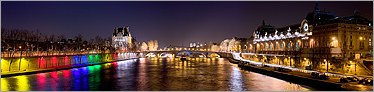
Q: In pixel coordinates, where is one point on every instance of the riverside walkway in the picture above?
(333, 77)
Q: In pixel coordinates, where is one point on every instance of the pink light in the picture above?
(66, 73)
(41, 79)
(66, 60)
(54, 61)
(42, 62)
(54, 74)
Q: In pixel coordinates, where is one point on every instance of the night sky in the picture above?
(174, 23)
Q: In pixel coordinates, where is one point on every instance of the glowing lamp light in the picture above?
(333, 38)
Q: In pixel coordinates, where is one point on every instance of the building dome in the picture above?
(264, 28)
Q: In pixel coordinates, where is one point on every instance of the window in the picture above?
(370, 42)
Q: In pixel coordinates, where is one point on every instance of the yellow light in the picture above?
(4, 64)
(4, 84)
(22, 83)
(333, 38)
(361, 38)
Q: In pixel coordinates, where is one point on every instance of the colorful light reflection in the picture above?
(22, 83)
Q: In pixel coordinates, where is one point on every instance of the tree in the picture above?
(144, 46)
(150, 45)
(155, 43)
(78, 41)
(60, 37)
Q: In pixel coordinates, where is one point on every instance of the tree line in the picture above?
(34, 40)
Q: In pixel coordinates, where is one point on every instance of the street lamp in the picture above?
(361, 38)
(327, 64)
(19, 64)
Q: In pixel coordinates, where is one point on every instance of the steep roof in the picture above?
(123, 31)
(353, 19)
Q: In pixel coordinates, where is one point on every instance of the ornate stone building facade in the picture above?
(122, 39)
(320, 41)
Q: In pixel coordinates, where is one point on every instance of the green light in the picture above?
(97, 57)
(91, 69)
(90, 58)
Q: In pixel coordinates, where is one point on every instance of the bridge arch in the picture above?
(213, 55)
(166, 55)
(183, 53)
(151, 55)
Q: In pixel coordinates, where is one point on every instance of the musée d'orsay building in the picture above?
(320, 38)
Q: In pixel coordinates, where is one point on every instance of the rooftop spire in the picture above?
(263, 22)
(128, 30)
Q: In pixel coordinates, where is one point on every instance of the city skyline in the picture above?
(176, 23)
(187, 46)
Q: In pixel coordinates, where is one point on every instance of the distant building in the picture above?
(122, 39)
(242, 43)
(319, 38)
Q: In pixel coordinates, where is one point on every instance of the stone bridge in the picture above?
(177, 53)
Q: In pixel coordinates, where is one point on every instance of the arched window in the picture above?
(271, 46)
(282, 45)
(297, 45)
(276, 46)
(289, 45)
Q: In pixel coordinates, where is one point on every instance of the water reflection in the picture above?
(151, 74)
(236, 80)
(4, 84)
(22, 83)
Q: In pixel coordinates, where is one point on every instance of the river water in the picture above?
(208, 74)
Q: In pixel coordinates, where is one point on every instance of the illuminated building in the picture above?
(321, 37)
(121, 39)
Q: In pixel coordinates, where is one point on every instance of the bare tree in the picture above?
(60, 37)
(155, 45)
(144, 46)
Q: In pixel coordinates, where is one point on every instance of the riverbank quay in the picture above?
(325, 81)
(10, 74)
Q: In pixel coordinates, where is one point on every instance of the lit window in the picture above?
(369, 43)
